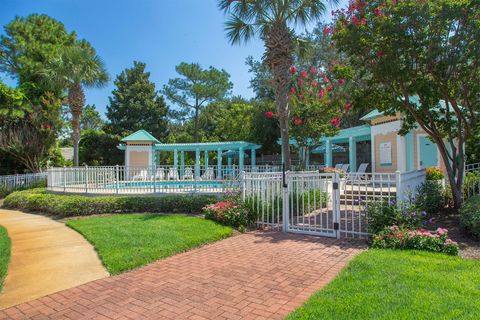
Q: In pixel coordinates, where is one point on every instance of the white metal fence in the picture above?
(150, 180)
(323, 204)
(22, 181)
(471, 183)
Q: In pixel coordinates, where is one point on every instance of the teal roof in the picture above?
(207, 146)
(372, 115)
(140, 135)
(360, 133)
(323, 147)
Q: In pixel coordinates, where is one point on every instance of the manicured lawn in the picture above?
(381, 284)
(4, 254)
(125, 242)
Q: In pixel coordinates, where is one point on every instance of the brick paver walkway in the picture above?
(250, 276)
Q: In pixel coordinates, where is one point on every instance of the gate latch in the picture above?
(335, 186)
(336, 226)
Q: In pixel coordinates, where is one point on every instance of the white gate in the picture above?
(317, 203)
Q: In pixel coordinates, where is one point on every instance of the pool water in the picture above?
(187, 184)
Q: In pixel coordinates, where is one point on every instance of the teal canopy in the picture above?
(323, 148)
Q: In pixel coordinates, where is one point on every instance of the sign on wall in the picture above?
(386, 153)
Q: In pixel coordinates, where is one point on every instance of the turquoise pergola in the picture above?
(142, 141)
(328, 145)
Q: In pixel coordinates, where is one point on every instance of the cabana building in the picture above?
(378, 144)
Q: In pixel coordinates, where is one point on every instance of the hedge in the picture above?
(470, 216)
(38, 200)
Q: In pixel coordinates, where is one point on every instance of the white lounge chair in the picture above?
(160, 174)
(188, 174)
(360, 173)
(209, 174)
(345, 167)
(142, 176)
(338, 166)
(173, 174)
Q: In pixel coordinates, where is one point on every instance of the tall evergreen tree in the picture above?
(135, 104)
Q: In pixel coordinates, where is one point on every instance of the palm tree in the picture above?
(273, 21)
(77, 68)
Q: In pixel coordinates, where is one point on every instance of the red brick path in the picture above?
(250, 276)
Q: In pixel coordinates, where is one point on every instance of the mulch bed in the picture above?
(449, 219)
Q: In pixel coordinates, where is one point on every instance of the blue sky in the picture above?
(161, 33)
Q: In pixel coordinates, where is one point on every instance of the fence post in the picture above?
(398, 188)
(86, 178)
(155, 178)
(64, 179)
(285, 202)
(117, 173)
(336, 203)
(242, 184)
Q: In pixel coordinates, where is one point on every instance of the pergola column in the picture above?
(328, 154)
(182, 164)
(175, 159)
(205, 160)
(253, 159)
(352, 153)
(197, 163)
(219, 164)
(241, 158)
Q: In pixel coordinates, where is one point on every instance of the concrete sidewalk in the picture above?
(47, 257)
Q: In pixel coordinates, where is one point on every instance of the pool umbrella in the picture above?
(322, 148)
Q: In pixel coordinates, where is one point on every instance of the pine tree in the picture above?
(135, 104)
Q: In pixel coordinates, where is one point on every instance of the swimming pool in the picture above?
(181, 184)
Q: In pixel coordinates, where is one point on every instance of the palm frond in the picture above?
(238, 30)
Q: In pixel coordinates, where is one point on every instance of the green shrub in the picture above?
(434, 174)
(470, 216)
(273, 208)
(395, 237)
(4, 191)
(230, 213)
(430, 197)
(381, 214)
(38, 200)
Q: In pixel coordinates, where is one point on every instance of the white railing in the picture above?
(471, 180)
(152, 179)
(22, 181)
(323, 204)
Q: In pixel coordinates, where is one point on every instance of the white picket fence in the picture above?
(22, 181)
(323, 204)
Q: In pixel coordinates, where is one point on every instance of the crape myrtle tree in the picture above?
(424, 57)
(317, 104)
(273, 21)
(136, 104)
(194, 89)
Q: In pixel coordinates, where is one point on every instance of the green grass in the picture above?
(383, 284)
(4, 254)
(125, 242)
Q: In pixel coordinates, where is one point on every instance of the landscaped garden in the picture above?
(4, 254)
(387, 284)
(125, 242)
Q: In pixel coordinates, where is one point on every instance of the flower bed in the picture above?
(396, 237)
(230, 212)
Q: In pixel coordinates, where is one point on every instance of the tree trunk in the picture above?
(279, 58)
(76, 101)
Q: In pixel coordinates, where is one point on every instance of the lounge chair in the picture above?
(360, 173)
(338, 166)
(142, 176)
(173, 174)
(209, 174)
(188, 174)
(160, 174)
(345, 167)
